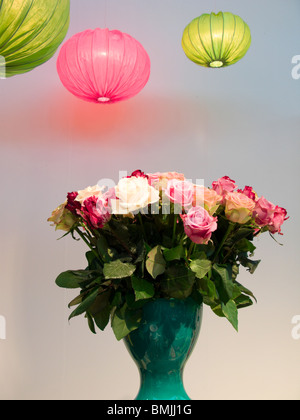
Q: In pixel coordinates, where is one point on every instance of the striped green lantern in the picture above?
(30, 33)
(216, 40)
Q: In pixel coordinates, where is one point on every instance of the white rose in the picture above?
(133, 194)
(94, 191)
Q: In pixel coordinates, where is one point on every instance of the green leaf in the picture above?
(197, 296)
(102, 247)
(243, 232)
(155, 263)
(101, 308)
(124, 321)
(231, 312)
(201, 267)
(251, 265)
(243, 301)
(208, 250)
(246, 291)
(207, 288)
(223, 279)
(74, 279)
(118, 270)
(93, 261)
(178, 282)
(133, 303)
(217, 309)
(174, 253)
(143, 289)
(244, 245)
(117, 299)
(86, 303)
(90, 323)
(76, 301)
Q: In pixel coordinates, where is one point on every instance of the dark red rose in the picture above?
(73, 205)
(138, 173)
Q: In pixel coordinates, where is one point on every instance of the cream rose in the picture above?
(238, 207)
(133, 194)
(62, 218)
(88, 192)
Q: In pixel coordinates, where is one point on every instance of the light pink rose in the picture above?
(238, 207)
(88, 192)
(264, 212)
(223, 185)
(199, 225)
(180, 192)
(206, 197)
(159, 180)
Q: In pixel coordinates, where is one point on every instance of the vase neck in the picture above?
(166, 384)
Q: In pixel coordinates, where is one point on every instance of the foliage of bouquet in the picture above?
(161, 236)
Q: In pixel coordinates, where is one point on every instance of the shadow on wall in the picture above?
(143, 117)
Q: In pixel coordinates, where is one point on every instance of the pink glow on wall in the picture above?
(103, 66)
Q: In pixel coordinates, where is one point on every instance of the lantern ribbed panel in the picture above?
(30, 32)
(216, 40)
(103, 66)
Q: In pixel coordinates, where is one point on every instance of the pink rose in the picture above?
(206, 197)
(238, 207)
(267, 214)
(224, 185)
(180, 192)
(249, 192)
(199, 225)
(278, 219)
(95, 212)
(109, 195)
(263, 212)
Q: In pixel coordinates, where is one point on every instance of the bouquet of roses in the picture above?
(161, 236)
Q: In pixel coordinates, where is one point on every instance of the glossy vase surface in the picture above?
(162, 345)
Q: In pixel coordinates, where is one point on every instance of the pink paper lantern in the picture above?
(103, 66)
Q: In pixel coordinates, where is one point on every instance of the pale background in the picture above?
(242, 121)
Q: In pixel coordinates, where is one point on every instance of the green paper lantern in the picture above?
(216, 40)
(30, 33)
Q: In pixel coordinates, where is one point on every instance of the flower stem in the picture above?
(174, 229)
(142, 226)
(191, 249)
(229, 230)
(87, 243)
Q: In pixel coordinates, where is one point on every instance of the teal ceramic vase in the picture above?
(162, 345)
